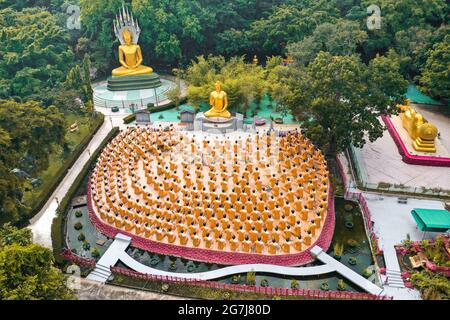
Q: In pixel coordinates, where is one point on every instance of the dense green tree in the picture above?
(340, 98)
(290, 23)
(243, 82)
(27, 131)
(34, 54)
(435, 79)
(340, 38)
(26, 270)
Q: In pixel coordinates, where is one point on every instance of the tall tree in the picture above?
(340, 38)
(27, 271)
(340, 98)
(435, 79)
(21, 142)
(34, 54)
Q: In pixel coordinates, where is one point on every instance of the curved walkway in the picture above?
(41, 223)
(116, 253)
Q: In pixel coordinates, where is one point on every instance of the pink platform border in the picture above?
(214, 256)
(409, 158)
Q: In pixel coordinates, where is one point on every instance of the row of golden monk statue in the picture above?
(253, 194)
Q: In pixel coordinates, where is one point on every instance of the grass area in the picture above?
(58, 158)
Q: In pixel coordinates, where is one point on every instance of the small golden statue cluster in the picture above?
(422, 132)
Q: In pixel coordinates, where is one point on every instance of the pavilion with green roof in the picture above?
(432, 220)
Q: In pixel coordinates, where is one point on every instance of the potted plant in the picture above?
(81, 237)
(235, 279)
(341, 285)
(325, 286)
(352, 261)
(78, 226)
(86, 245)
(348, 207)
(367, 272)
(78, 214)
(95, 253)
(251, 278)
(165, 287)
(295, 284)
(338, 250)
(264, 283)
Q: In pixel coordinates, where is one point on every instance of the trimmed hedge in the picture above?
(132, 117)
(64, 205)
(62, 172)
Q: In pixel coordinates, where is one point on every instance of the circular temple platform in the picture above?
(105, 98)
(229, 199)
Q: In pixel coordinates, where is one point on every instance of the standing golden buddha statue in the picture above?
(219, 104)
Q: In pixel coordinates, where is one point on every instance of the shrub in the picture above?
(294, 284)
(86, 245)
(352, 261)
(352, 243)
(95, 253)
(78, 226)
(264, 283)
(338, 250)
(251, 278)
(81, 237)
(325, 286)
(341, 285)
(78, 214)
(236, 279)
(367, 272)
(165, 287)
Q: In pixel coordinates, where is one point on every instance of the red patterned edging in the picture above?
(409, 158)
(70, 256)
(213, 256)
(308, 294)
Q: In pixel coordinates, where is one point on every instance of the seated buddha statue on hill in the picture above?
(130, 57)
(127, 30)
(219, 103)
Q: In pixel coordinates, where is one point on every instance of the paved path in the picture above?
(93, 290)
(41, 223)
(380, 161)
(392, 223)
(116, 252)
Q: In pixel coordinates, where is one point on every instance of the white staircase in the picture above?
(101, 273)
(394, 279)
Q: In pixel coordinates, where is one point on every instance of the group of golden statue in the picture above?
(130, 58)
(262, 194)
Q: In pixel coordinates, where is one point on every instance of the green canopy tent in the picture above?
(432, 220)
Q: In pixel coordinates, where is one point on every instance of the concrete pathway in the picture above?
(392, 223)
(93, 290)
(116, 252)
(380, 161)
(41, 223)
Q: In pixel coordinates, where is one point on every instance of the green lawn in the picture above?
(57, 158)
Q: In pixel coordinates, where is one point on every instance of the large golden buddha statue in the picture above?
(422, 132)
(127, 30)
(219, 104)
(130, 57)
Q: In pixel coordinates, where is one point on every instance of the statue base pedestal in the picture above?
(134, 82)
(218, 125)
